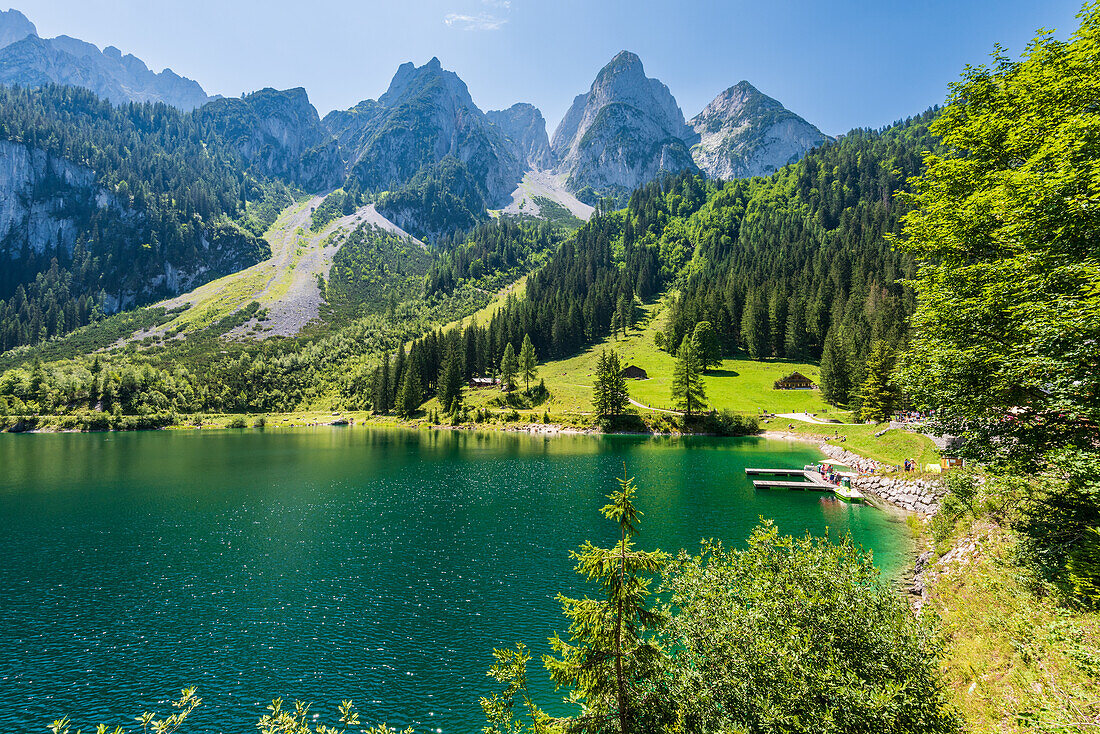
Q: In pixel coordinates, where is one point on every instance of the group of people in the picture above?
(910, 465)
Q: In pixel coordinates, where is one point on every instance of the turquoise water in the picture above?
(324, 564)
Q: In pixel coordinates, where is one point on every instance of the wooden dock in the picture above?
(811, 482)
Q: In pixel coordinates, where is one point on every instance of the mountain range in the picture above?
(204, 177)
(27, 60)
(626, 130)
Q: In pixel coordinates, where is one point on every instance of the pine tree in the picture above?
(688, 392)
(609, 393)
(408, 398)
(836, 377)
(756, 328)
(796, 342)
(609, 658)
(509, 367)
(382, 386)
(706, 345)
(528, 363)
(877, 394)
(450, 379)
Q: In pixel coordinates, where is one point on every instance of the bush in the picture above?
(728, 423)
(237, 423)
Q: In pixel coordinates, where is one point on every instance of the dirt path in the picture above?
(807, 418)
(655, 410)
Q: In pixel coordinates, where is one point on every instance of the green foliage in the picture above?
(688, 391)
(877, 394)
(705, 341)
(450, 378)
(611, 657)
(372, 269)
(1006, 340)
(836, 377)
(797, 635)
(150, 724)
(490, 256)
(173, 186)
(609, 392)
(509, 367)
(528, 363)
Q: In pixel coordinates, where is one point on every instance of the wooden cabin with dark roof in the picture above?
(795, 381)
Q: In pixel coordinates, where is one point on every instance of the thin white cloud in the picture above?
(502, 4)
(480, 22)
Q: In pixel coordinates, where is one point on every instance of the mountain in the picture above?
(427, 143)
(280, 135)
(625, 131)
(525, 127)
(103, 208)
(744, 133)
(27, 60)
(14, 26)
(426, 115)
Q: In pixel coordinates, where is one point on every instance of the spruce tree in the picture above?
(609, 659)
(408, 398)
(836, 377)
(528, 363)
(756, 327)
(450, 379)
(382, 386)
(796, 341)
(688, 392)
(609, 393)
(877, 394)
(509, 367)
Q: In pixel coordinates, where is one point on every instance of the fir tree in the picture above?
(509, 367)
(756, 328)
(609, 658)
(836, 378)
(450, 380)
(609, 393)
(688, 392)
(796, 341)
(408, 398)
(877, 394)
(528, 363)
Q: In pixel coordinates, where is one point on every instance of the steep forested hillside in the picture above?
(108, 207)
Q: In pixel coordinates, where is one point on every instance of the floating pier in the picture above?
(811, 481)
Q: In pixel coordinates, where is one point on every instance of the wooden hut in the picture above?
(633, 372)
(794, 381)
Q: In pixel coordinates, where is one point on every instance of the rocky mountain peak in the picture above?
(14, 26)
(744, 132)
(29, 61)
(525, 127)
(623, 132)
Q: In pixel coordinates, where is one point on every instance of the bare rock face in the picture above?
(624, 132)
(14, 26)
(279, 134)
(426, 116)
(744, 133)
(525, 128)
(29, 61)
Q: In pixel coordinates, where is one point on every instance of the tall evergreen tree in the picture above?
(688, 391)
(796, 342)
(756, 327)
(609, 656)
(509, 367)
(408, 397)
(609, 393)
(382, 386)
(528, 363)
(450, 379)
(877, 393)
(836, 377)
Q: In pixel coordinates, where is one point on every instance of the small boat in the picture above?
(847, 493)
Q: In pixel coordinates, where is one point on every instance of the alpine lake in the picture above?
(378, 565)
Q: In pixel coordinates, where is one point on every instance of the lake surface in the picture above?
(322, 564)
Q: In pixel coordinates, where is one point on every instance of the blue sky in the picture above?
(840, 64)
